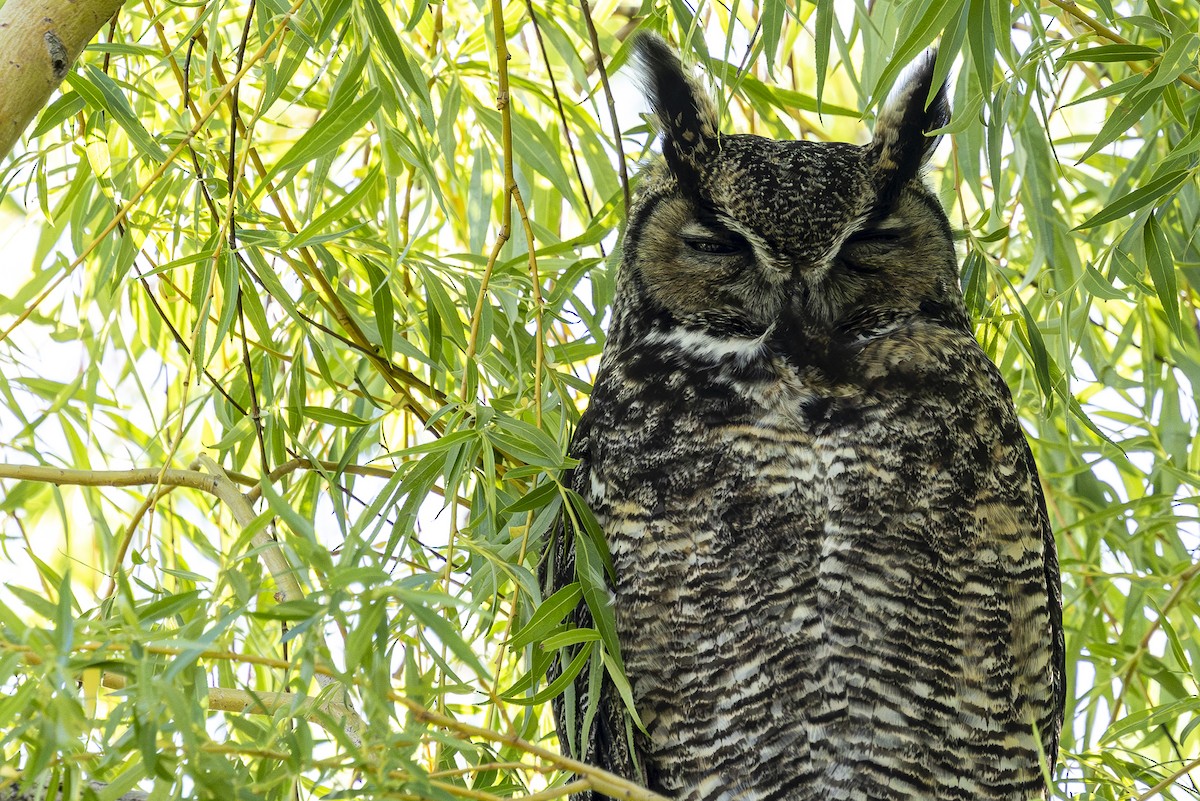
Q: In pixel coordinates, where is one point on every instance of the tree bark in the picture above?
(39, 41)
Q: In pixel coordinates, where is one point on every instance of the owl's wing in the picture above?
(1052, 728)
(606, 742)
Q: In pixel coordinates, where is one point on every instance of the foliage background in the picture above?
(285, 389)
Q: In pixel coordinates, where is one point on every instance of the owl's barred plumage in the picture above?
(834, 573)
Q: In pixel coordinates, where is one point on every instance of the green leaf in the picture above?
(771, 19)
(333, 417)
(62, 109)
(1111, 52)
(336, 125)
(103, 94)
(536, 498)
(384, 35)
(1175, 60)
(1100, 286)
(527, 443)
(65, 617)
(1136, 200)
(350, 202)
(279, 505)
(590, 573)
(448, 634)
(921, 27)
(555, 688)
(823, 36)
(1131, 109)
(570, 637)
(616, 673)
(547, 616)
(1161, 264)
(1037, 350)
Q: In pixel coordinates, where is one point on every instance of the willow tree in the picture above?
(303, 300)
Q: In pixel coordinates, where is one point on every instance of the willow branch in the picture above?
(608, 96)
(1170, 780)
(110, 478)
(41, 40)
(1072, 8)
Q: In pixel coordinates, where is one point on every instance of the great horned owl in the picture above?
(834, 573)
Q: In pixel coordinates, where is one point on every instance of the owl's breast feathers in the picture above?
(834, 566)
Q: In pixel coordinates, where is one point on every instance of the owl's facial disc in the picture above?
(814, 232)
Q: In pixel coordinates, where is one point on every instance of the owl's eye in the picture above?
(862, 249)
(725, 246)
(883, 237)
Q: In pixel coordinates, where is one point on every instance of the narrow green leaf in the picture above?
(228, 276)
(547, 616)
(1137, 199)
(383, 34)
(1095, 283)
(920, 34)
(1145, 720)
(57, 112)
(285, 511)
(1161, 263)
(382, 303)
(1112, 52)
(1175, 60)
(102, 93)
(449, 634)
(982, 42)
(352, 201)
(333, 417)
(65, 617)
(1131, 109)
(335, 126)
(590, 572)
(555, 688)
(771, 19)
(569, 638)
(534, 499)
(169, 606)
(1038, 352)
(823, 36)
(526, 442)
(777, 96)
(616, 673)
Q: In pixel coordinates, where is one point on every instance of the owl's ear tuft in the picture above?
(900, 145)
(684, 110)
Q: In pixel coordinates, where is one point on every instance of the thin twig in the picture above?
(608, 96)
(58, 476)
(502, 104)
(1177, 595)
(1170, 780)
(127, 538)
(233, 178)
(562, 113)
(512, 195)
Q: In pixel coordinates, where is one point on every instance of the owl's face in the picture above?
(765, 233)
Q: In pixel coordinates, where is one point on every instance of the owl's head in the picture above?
(750, 232)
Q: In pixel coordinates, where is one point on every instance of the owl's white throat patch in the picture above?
(705, 345)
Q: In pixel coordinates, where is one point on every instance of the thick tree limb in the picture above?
(39, 41)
